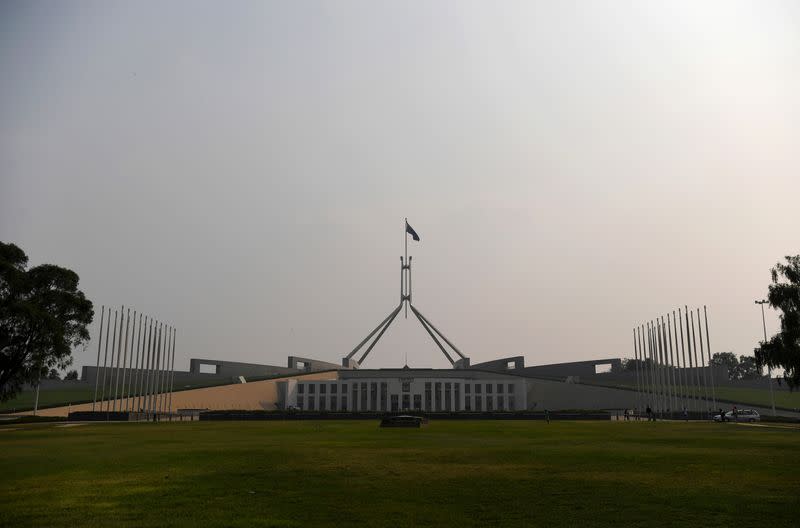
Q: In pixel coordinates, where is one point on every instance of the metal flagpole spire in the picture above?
(405, 240)
(99, 344)
(405, 303)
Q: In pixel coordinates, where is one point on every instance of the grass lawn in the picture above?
(759, 397)
(57, 397)
(47, 398)
(497, 473)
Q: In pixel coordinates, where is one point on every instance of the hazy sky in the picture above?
(242, 169)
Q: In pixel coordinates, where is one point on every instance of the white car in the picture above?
(742, 415)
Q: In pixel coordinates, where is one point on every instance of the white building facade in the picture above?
(406, 391)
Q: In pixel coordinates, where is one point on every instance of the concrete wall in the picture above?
(258, 395)
(235, 369)
(514, 363)
(574, 368)
(310, 365)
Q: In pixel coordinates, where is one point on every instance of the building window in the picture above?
(467, 388)
(478, 387)
(437, 396)
(511, 406)
(489, 403)
(373, 396)
(406, 386)
(406, 402)
(333, 402)
(488, 388)
(417, 402)
(478, 402)
(323, 388)
(322, 401)
(301, 389)
(384, 395)
(310, 403)
(344, 388)
(428, 401)
(355, 396)
(448, 398)
(511, 388)
(500, 404)
(468, 403)
(300, 402)
(394, 403)
(457, 387)
(334, 388)
(363, 406)
(344, 402)
(500, 388)
(311, 388)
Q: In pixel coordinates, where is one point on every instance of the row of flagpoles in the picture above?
(139, 376)
(671, 377)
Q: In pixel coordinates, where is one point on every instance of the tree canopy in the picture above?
(783, 349)
(43, 316)
(743, 368)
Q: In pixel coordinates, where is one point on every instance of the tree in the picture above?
(783, 349)
(727, 360)
(748, 369)
(43, 315)
(71, 375)
(53, 375)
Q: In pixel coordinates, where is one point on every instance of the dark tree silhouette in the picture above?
(783, 349)
(71, 375)
(727, 360)
(43, 315)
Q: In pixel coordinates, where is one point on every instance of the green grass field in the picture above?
(758, 397)
(57, 397)
(496, 473)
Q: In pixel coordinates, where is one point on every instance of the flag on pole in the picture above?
(410, 231)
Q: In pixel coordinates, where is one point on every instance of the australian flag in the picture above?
(410, 231)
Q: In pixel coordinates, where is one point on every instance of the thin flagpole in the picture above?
(708, 348)
(125, 357)
(119, 355)
(113, 346)
(702, 358)
(140, 375)
(146, 374)
(692, 373)
(645, 365)
(697, 368)
(636, 365)
(405, 240)
(662, 361)
(165, 375)
(672, 366)
(159, 360)
(685, 376)
(99, 345)
(134, 381)
(172, 374)
(681, 389)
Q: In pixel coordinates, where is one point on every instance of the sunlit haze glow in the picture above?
(242, 170)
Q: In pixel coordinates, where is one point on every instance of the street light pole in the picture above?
(769, 370)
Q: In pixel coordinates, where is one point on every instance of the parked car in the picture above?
(742, 415)
(401, 421)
